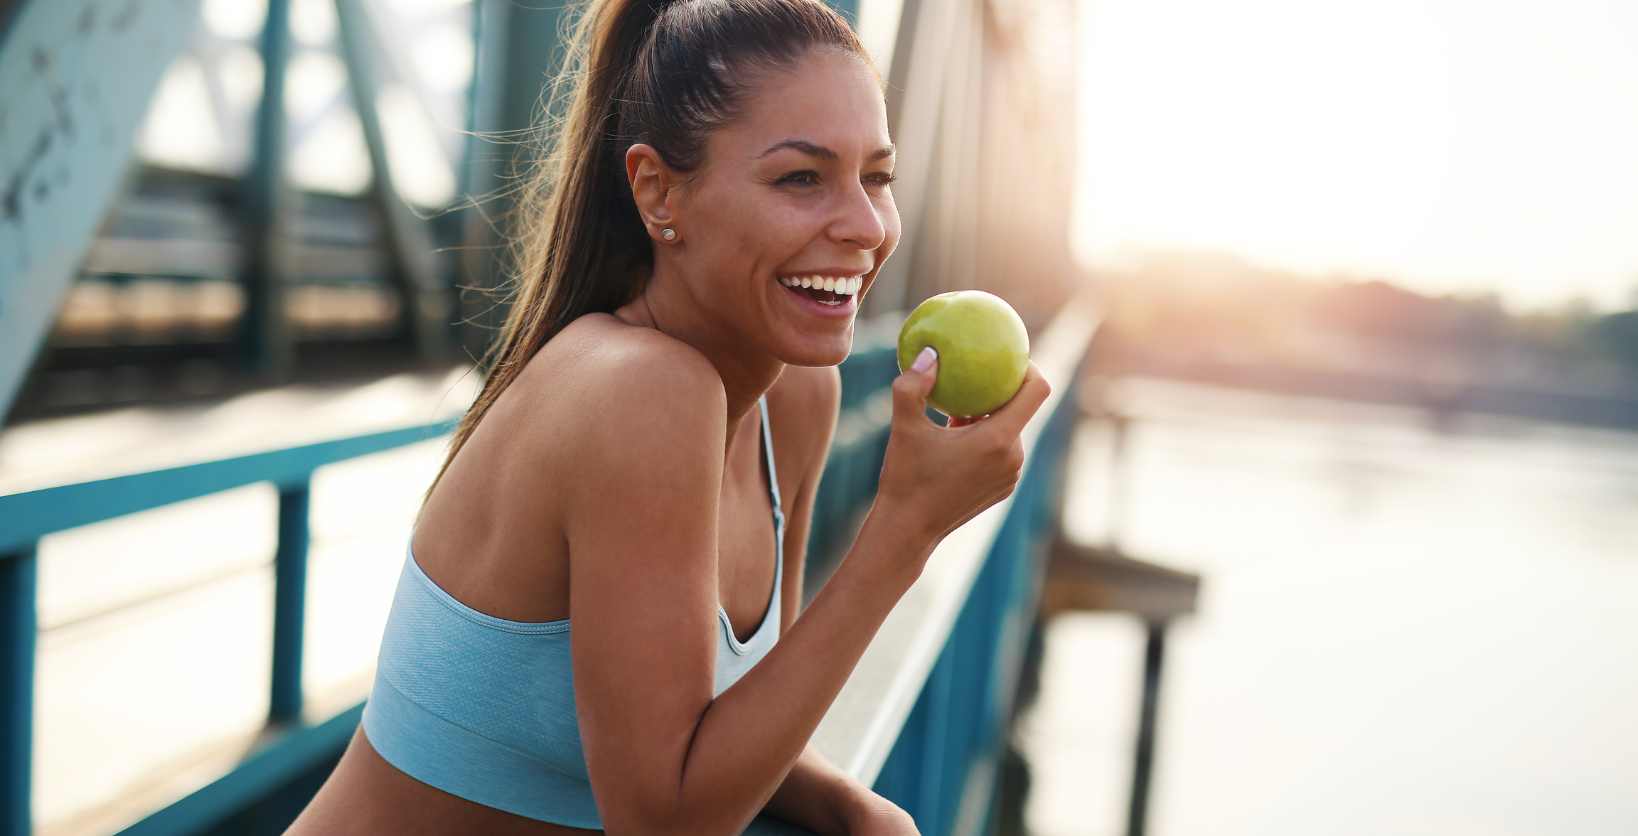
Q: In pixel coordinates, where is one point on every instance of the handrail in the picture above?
(977, 588)
(906, 647)
(972, 601)
(26, 517)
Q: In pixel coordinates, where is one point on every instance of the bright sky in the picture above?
(1453, 145)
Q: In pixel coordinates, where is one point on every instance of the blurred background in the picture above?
(1365, 387)
(1369, 368)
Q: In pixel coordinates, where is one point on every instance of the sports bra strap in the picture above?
(767, 445)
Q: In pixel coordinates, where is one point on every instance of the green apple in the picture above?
(982, 345)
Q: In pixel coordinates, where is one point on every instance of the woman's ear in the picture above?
(652, 182)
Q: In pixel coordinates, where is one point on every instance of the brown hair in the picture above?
(664, 73)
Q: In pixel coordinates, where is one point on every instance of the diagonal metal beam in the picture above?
(409, 237)
(75, 80)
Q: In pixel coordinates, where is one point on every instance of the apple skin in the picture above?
(982, 345)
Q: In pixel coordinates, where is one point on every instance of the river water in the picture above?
(1403, 628)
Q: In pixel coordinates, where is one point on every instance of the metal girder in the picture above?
(75, 80)
(519, 52)
(409, 238)
(925, 52)
(271, 207)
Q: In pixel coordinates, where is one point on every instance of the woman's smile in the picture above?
(828, 296)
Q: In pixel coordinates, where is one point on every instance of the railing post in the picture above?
(289, 601)
(1143, 765)
(19, 631)
(270, 202)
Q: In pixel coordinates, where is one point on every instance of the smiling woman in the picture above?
(642, 462)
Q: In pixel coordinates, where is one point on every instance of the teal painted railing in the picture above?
(930, 740)
(27, 517)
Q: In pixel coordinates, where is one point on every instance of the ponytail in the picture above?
(664, 73)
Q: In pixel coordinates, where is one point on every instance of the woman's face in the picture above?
(793, 190)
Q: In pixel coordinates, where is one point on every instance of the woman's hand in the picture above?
(941, 477)
(819, 796)
(880, 817)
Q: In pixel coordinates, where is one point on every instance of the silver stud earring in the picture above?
(668, 234)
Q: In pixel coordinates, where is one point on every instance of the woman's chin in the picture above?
(827, 350)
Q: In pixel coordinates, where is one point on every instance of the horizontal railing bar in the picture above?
(868, 715)
(26, 517)
(253, 779)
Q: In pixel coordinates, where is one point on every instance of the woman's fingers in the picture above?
(946, 475)
(911, 389)
(1014, 414)
(1032, 392)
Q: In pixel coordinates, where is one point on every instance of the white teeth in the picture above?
(845, 286)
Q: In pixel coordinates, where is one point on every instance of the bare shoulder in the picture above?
(604, 376)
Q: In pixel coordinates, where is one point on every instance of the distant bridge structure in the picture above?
(195, 202)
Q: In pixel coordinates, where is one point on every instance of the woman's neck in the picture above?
(747, 374)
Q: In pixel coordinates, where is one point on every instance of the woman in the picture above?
(642, 462)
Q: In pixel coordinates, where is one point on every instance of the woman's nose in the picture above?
(858, 221)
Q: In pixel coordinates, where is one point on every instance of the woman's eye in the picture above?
(801, 178)
(879, 179)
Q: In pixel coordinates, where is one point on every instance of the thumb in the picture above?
(911, 389)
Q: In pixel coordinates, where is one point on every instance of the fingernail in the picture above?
(924, 360)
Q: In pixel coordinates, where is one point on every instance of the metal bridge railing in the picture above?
(27, 517)
(922, 718)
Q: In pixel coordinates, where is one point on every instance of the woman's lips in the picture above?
(820, 301)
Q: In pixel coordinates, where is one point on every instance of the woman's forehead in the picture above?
(828, 102)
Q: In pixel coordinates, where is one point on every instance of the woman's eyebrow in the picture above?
(824, 153)
(805, 147)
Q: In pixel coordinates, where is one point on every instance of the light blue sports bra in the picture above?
(483, 708)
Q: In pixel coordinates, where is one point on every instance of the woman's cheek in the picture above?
(890, 223)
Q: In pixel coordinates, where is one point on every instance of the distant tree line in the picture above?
(1193, 310)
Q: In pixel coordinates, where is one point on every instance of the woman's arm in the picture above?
(816, 793)
(663, 755)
